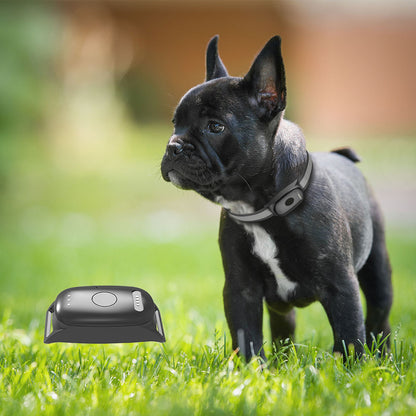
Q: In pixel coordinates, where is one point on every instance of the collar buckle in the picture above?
(284, 202)
(288, 202)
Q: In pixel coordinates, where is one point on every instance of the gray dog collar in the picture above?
(284, 202)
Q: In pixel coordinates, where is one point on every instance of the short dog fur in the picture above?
(232, 145)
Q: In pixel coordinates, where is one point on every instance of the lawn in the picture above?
(71, 217)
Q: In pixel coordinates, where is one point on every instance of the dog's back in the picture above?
(346, 201)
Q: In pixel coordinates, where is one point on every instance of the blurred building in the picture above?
(350, 65)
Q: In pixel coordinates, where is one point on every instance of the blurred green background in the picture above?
(84, 118)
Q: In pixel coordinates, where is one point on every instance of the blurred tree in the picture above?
(142, 96)
(27, 41)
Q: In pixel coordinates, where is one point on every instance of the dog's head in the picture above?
(224, 127)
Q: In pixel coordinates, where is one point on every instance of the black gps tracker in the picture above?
(103, 314)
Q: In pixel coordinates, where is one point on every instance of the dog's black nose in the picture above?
(176, 146)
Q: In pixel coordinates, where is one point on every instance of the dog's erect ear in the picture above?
(266, 79)
(215, 67)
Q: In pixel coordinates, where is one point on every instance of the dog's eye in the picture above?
(215, 127)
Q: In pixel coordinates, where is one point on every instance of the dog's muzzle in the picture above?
(183, 164)
(193, 165)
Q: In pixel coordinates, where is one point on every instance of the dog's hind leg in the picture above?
(282, 326)
(344, 310)
(375, 281)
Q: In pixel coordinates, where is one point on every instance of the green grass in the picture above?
(69, 220)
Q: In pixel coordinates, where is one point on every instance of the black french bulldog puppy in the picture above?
(295, 227)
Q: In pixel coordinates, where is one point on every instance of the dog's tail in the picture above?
(348, 153)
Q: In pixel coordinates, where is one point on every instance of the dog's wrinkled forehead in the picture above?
(216, 98)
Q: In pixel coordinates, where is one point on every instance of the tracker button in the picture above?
(104, 299)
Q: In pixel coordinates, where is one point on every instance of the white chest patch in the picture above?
(263, 247)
